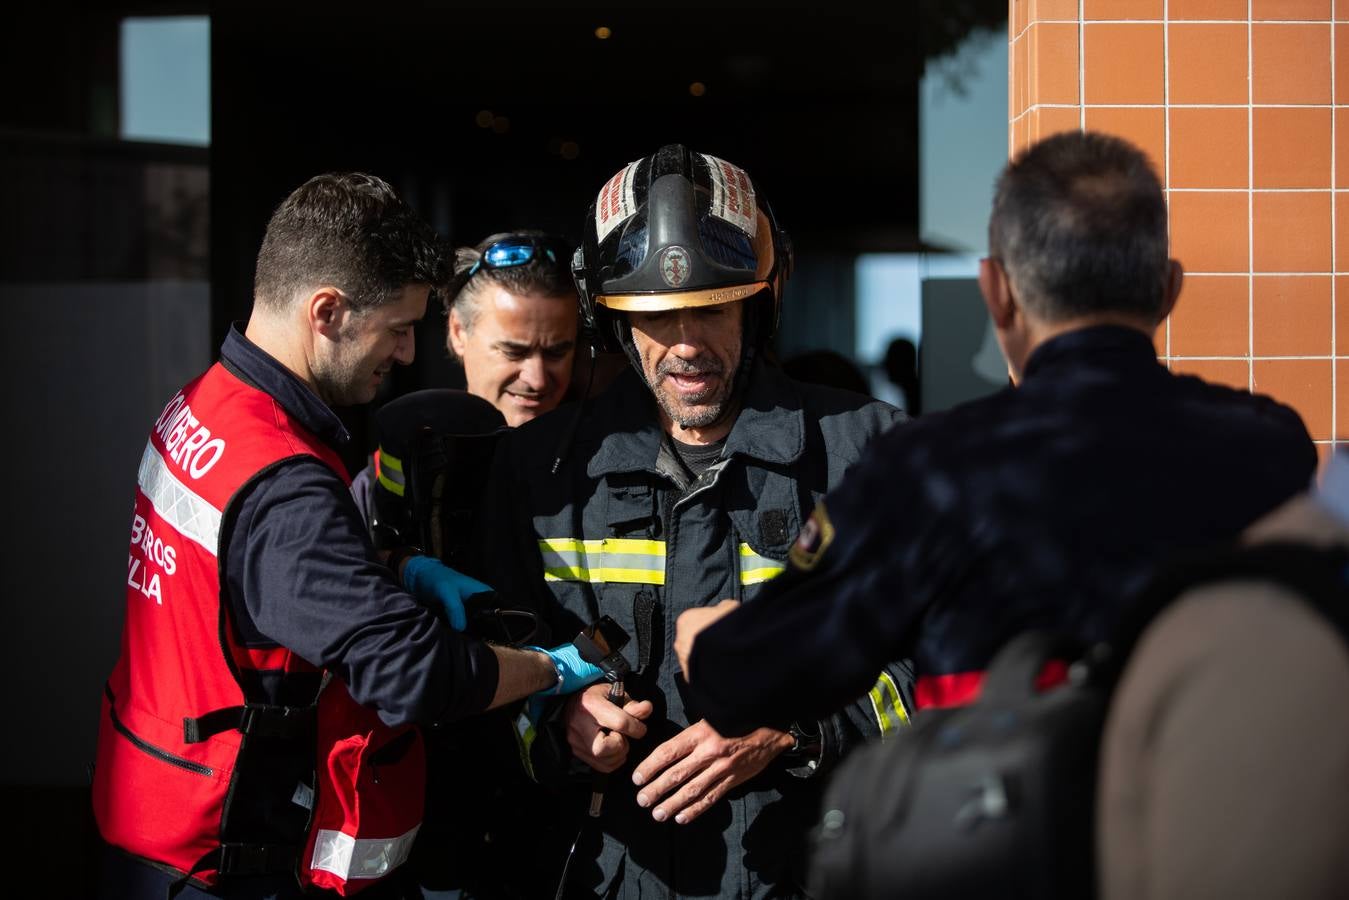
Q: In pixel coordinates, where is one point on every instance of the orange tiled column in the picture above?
(1238, 104)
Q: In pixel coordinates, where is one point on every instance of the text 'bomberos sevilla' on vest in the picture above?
(155, 550)
(188, 442)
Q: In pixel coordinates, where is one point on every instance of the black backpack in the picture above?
(998, 798)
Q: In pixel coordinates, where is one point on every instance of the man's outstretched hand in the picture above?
(693, 621)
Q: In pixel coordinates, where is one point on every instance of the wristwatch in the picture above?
(803, 759)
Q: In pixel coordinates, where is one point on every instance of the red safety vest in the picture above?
(186, 737)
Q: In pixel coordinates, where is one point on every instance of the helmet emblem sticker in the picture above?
(732, 195)
(674, 266)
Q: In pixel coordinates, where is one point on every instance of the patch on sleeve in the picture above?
(813, 540)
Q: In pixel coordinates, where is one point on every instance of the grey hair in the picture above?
(1079, 224)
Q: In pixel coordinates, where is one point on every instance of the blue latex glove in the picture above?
(573, 672)
(431, 581)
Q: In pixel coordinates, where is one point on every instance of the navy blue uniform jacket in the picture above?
(1042, 506)
(300, 572)
(613, 532)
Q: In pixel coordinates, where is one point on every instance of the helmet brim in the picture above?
(681, 299)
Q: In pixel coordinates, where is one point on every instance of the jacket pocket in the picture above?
(150, 749)
(160, 803)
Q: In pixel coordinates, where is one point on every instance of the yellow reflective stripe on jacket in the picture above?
(755, 569)
(888, 705)
(389, 471)
(604, 561)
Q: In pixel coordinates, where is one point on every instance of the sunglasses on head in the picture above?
(510, 252)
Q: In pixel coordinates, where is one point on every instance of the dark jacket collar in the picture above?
(248, 362)
(770, 428)
(1104, 345)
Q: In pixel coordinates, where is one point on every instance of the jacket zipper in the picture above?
(716, 469)
(158, 753)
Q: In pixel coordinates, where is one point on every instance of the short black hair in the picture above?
(1079, 224)
(540, 277)
(349, 230)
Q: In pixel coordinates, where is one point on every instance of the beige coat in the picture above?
(1225, 763)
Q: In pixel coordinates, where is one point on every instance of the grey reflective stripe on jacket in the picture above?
(756, 569)
(616, 560)
(626, 561)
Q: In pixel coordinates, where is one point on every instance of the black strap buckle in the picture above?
(254, 719)
(276, 721)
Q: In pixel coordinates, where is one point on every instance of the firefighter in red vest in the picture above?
(259, 733)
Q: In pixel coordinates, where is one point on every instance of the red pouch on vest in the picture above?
(369, 799)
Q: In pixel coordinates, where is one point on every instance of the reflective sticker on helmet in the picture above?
(732, 195)
(616, 202)
(674, 266)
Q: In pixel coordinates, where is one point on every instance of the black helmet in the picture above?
(674, 230)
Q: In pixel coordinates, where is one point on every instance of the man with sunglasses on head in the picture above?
(512, 321)
(512, 316)
(683, 484)
(512, 311)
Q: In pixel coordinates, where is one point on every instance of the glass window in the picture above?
(962, 141)
(166, 79)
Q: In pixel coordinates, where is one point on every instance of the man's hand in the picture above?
(703, 766)
(693, 621)
(598, 730)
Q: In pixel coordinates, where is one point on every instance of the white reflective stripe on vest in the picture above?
(603, 561)
(755, 569)
(351, 859)
(174, 502)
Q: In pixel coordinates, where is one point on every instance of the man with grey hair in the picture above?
(1044, 506)
(512, 321)
(512, 314)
